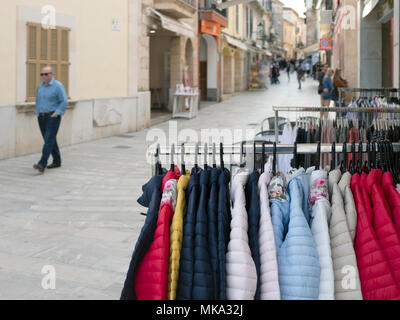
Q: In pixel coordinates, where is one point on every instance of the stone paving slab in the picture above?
(83, 218)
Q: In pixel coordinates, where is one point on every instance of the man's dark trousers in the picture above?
(49, 127)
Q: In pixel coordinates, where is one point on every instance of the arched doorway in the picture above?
(228, 64)
(188, 67)
(238, 71)
(208, 67)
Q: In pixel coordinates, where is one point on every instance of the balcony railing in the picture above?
(209, 5)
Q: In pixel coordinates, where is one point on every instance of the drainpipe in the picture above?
(220, 69)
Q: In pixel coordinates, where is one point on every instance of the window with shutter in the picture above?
(46, 47)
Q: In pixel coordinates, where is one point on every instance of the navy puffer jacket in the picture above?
(224, 220)
(151, 199)
(186, 269)
(212, 212)
(253, 211)
(203, 284)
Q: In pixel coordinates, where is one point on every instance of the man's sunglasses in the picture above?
(45, 74)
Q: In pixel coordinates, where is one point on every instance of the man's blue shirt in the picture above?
(51, 98)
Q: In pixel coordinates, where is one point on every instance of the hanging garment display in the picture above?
(347, 280)
(176, 235)
(320, 219)
(298, 264)
(151, 279)
(241, 273)
(269, 280)
(151, 199)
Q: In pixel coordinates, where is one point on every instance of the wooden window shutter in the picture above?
(46, 47)
(54, 45)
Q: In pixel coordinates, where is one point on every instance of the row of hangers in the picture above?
(387, 161)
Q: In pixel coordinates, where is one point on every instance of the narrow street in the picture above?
(83, 219)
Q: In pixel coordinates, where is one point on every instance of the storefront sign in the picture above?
(210, 28)
(325, 44)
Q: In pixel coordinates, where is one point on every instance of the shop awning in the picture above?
(311, 49)
(171, 24)
(369, 6)
(235, 43)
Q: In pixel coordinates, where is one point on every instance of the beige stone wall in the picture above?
(99, 56)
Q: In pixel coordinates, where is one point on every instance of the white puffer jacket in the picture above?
(241, 274)
(269, 266)
(349, 204)
(321, 215)
(347, 280)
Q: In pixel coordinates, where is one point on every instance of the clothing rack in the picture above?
(253, 148)
(376, 91)
(326, 109)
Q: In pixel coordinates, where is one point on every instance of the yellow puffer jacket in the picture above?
(175, 236)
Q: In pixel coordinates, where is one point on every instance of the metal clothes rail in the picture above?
(253, 148)
(368, 90)
(326, 109)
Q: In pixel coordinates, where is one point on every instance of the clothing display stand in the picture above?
(186, 104)
(326, 109)
(253, 148)
(369, 91)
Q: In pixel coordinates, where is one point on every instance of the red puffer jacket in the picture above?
(393, 197)
(151, 278)
(377, 281)
(383, 224)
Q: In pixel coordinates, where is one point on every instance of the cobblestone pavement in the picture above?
(83, 218)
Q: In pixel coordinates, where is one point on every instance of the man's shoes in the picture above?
(38, 167)
(53, 166)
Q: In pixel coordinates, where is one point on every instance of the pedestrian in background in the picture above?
(327, 91)
(338, 82)
(288, 71)
(300, 74)
(51, 104)
(321, 76)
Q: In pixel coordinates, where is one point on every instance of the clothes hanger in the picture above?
(343, 164)
(183, 167)
(318, 156)
(353, 157)
(254, 156)
(333, 161)
(158, 163)
(373, 166)
(172, 169)
(360, 156)
(242, 152)
(213, 155)
(221, 155)
(205, 156)
(196, 153)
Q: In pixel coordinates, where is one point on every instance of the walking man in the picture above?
(51, 104)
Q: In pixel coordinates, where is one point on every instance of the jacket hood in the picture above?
(148, 190)
(333, 178)
(344, 182)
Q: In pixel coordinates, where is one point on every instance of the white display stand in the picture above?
(186, 103)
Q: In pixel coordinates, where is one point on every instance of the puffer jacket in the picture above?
(176, 235)
(321, 215)
(383, 224)
(241, 274)
(186, 269)
(377, 281)
(151, 280)
(347, 279)
(349, 205)
(269, 279)
(203, 284)
(224, 220)
(151, 199)
(212, 211)
(253, 212)
(298, 264)
(393, 198)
